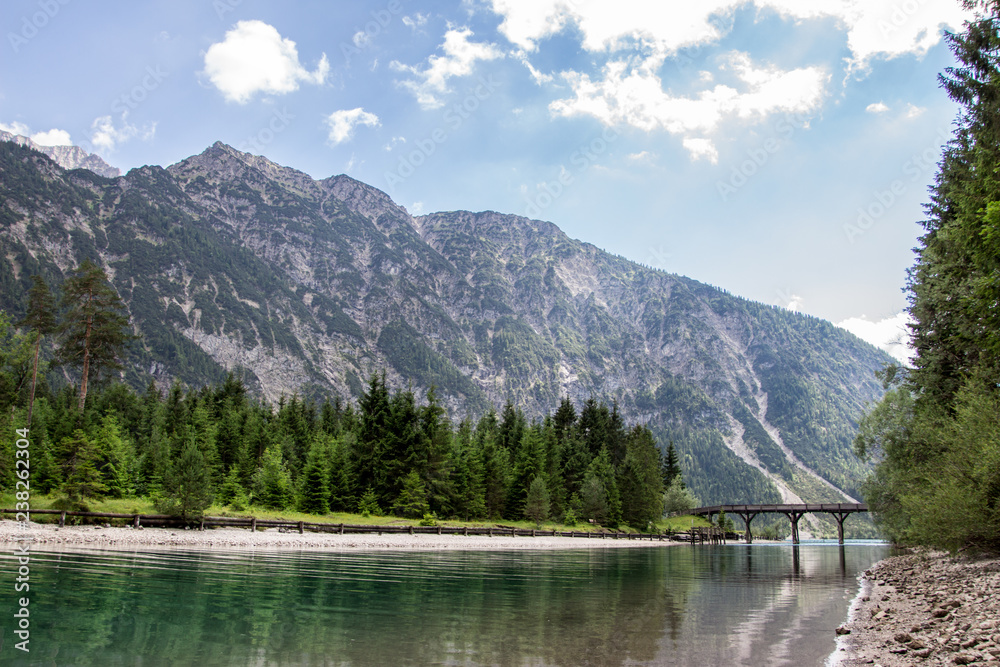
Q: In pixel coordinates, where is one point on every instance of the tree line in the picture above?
(389, 453)
(935, 436)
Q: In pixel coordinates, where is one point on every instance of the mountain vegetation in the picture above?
(228, 263)
(936, 434)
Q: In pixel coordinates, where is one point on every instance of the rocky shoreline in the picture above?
(925, 608)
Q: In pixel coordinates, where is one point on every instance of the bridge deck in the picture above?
(806, 507)
(840, 511)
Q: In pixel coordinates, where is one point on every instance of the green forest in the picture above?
(388, 453)
(935, 436)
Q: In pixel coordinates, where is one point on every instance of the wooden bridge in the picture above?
(839, 511)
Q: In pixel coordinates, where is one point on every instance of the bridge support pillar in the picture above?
(794, 517)
(840, 516)
(747, 517)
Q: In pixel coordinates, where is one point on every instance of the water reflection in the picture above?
(704, 605)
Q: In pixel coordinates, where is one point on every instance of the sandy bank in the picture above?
(50, 536)
(926, 608)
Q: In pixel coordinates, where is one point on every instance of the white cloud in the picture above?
(886, 28)
(913, 111)
(416, 21)
(632, 93)
(417, 208)
(342, 123)
(105, 136)
(393, 142)
(16, 128)
(890, 334)
(699, 148)
(460, 56)
(255, 58)
(881, 28)
(876, 107)
(641, 156)
(794, 303)
(53, 137)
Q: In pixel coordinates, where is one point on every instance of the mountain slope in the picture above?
(227, 261)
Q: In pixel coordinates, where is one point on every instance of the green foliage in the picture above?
(79, 460)
(935, 437)
(412, 500)
(536, 506)
(678, 499)
(94, 328)
(232, 492)
(368, 504)
(272, 484)
(188, 487)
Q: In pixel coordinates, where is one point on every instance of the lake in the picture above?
(736, 604)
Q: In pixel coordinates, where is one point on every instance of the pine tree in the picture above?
(41, 319)
(94, 329)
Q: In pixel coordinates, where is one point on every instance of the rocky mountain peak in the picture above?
(67, 157)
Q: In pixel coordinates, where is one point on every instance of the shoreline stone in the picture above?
(925, 608)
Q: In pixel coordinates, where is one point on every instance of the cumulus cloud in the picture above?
(459, 59)
(890, 334)
(633, 94)
(632, 39)
(53, 137)
(700, 148)
(876, 107)
(416, 21)
(105, 135)
(16, 128)
(913, 111)
(886, 28)
(254, 58)
(342, 123)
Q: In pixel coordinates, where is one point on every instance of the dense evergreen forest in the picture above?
(936, 434)
(389, 453)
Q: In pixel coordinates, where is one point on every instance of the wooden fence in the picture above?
(253, 523)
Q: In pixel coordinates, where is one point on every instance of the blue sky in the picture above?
(780, 149)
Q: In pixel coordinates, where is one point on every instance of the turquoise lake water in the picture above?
(681, 605)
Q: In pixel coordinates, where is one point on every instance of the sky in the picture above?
(778, 149)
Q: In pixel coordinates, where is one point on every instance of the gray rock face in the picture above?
(67, 157)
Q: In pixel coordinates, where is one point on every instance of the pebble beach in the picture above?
(925, 608)
(51, 536)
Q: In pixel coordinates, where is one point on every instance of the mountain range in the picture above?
(230, 262)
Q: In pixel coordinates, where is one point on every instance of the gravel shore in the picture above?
(925, 608)
(48, 536)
